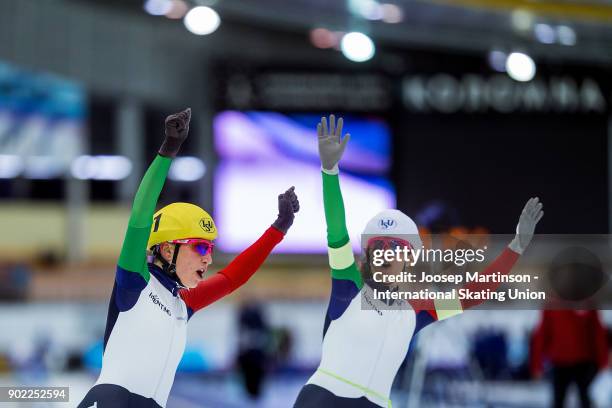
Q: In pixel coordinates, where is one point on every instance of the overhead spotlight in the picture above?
(544, 33)
(202, 20)
(497, 60)
(357, 47)
(323, 38)
(522, 20)
(520, 67)
(157, 7)
(187, 169)
(375, 13)
(368, 9)
(391, 13)
(566, 35)
(178, 10)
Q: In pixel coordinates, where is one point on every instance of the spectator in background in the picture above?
(574, 342)
(254, 340)
(14, 282)
(490, 349)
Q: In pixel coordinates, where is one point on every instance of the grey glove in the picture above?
(532, 213)
(177, 128)
(331, 147)
(288, 205)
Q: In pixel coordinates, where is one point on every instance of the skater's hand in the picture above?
(331, 147)
(532, 213)
(176, 129)
(288, 205)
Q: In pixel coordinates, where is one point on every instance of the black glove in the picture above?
(177, 128)
(288, 205)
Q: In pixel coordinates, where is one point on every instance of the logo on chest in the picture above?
(158, 303)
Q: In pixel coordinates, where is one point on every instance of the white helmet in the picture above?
(394, 223)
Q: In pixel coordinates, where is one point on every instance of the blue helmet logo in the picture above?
(388, 223)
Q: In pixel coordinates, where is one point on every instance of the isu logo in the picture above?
(387, 223)
(207, 225)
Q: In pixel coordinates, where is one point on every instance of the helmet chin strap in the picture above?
(169, 268)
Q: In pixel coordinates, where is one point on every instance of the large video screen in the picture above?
(261, 154)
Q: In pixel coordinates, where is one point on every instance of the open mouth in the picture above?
(200, 273)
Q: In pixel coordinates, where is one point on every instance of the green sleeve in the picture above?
(341, 258)
(133, 255)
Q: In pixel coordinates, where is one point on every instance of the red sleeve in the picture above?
(234, 275)
(503, 263)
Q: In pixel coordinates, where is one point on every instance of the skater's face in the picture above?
(192, 262)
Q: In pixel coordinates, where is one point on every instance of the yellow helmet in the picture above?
(179, 221)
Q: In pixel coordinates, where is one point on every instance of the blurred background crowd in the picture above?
(459, 111)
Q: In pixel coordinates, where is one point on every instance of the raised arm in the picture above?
(532, 213)
(238, 272)
(331, 148)
(429, 311)
(133, 252)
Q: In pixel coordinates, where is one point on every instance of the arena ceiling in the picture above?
(457, 24)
